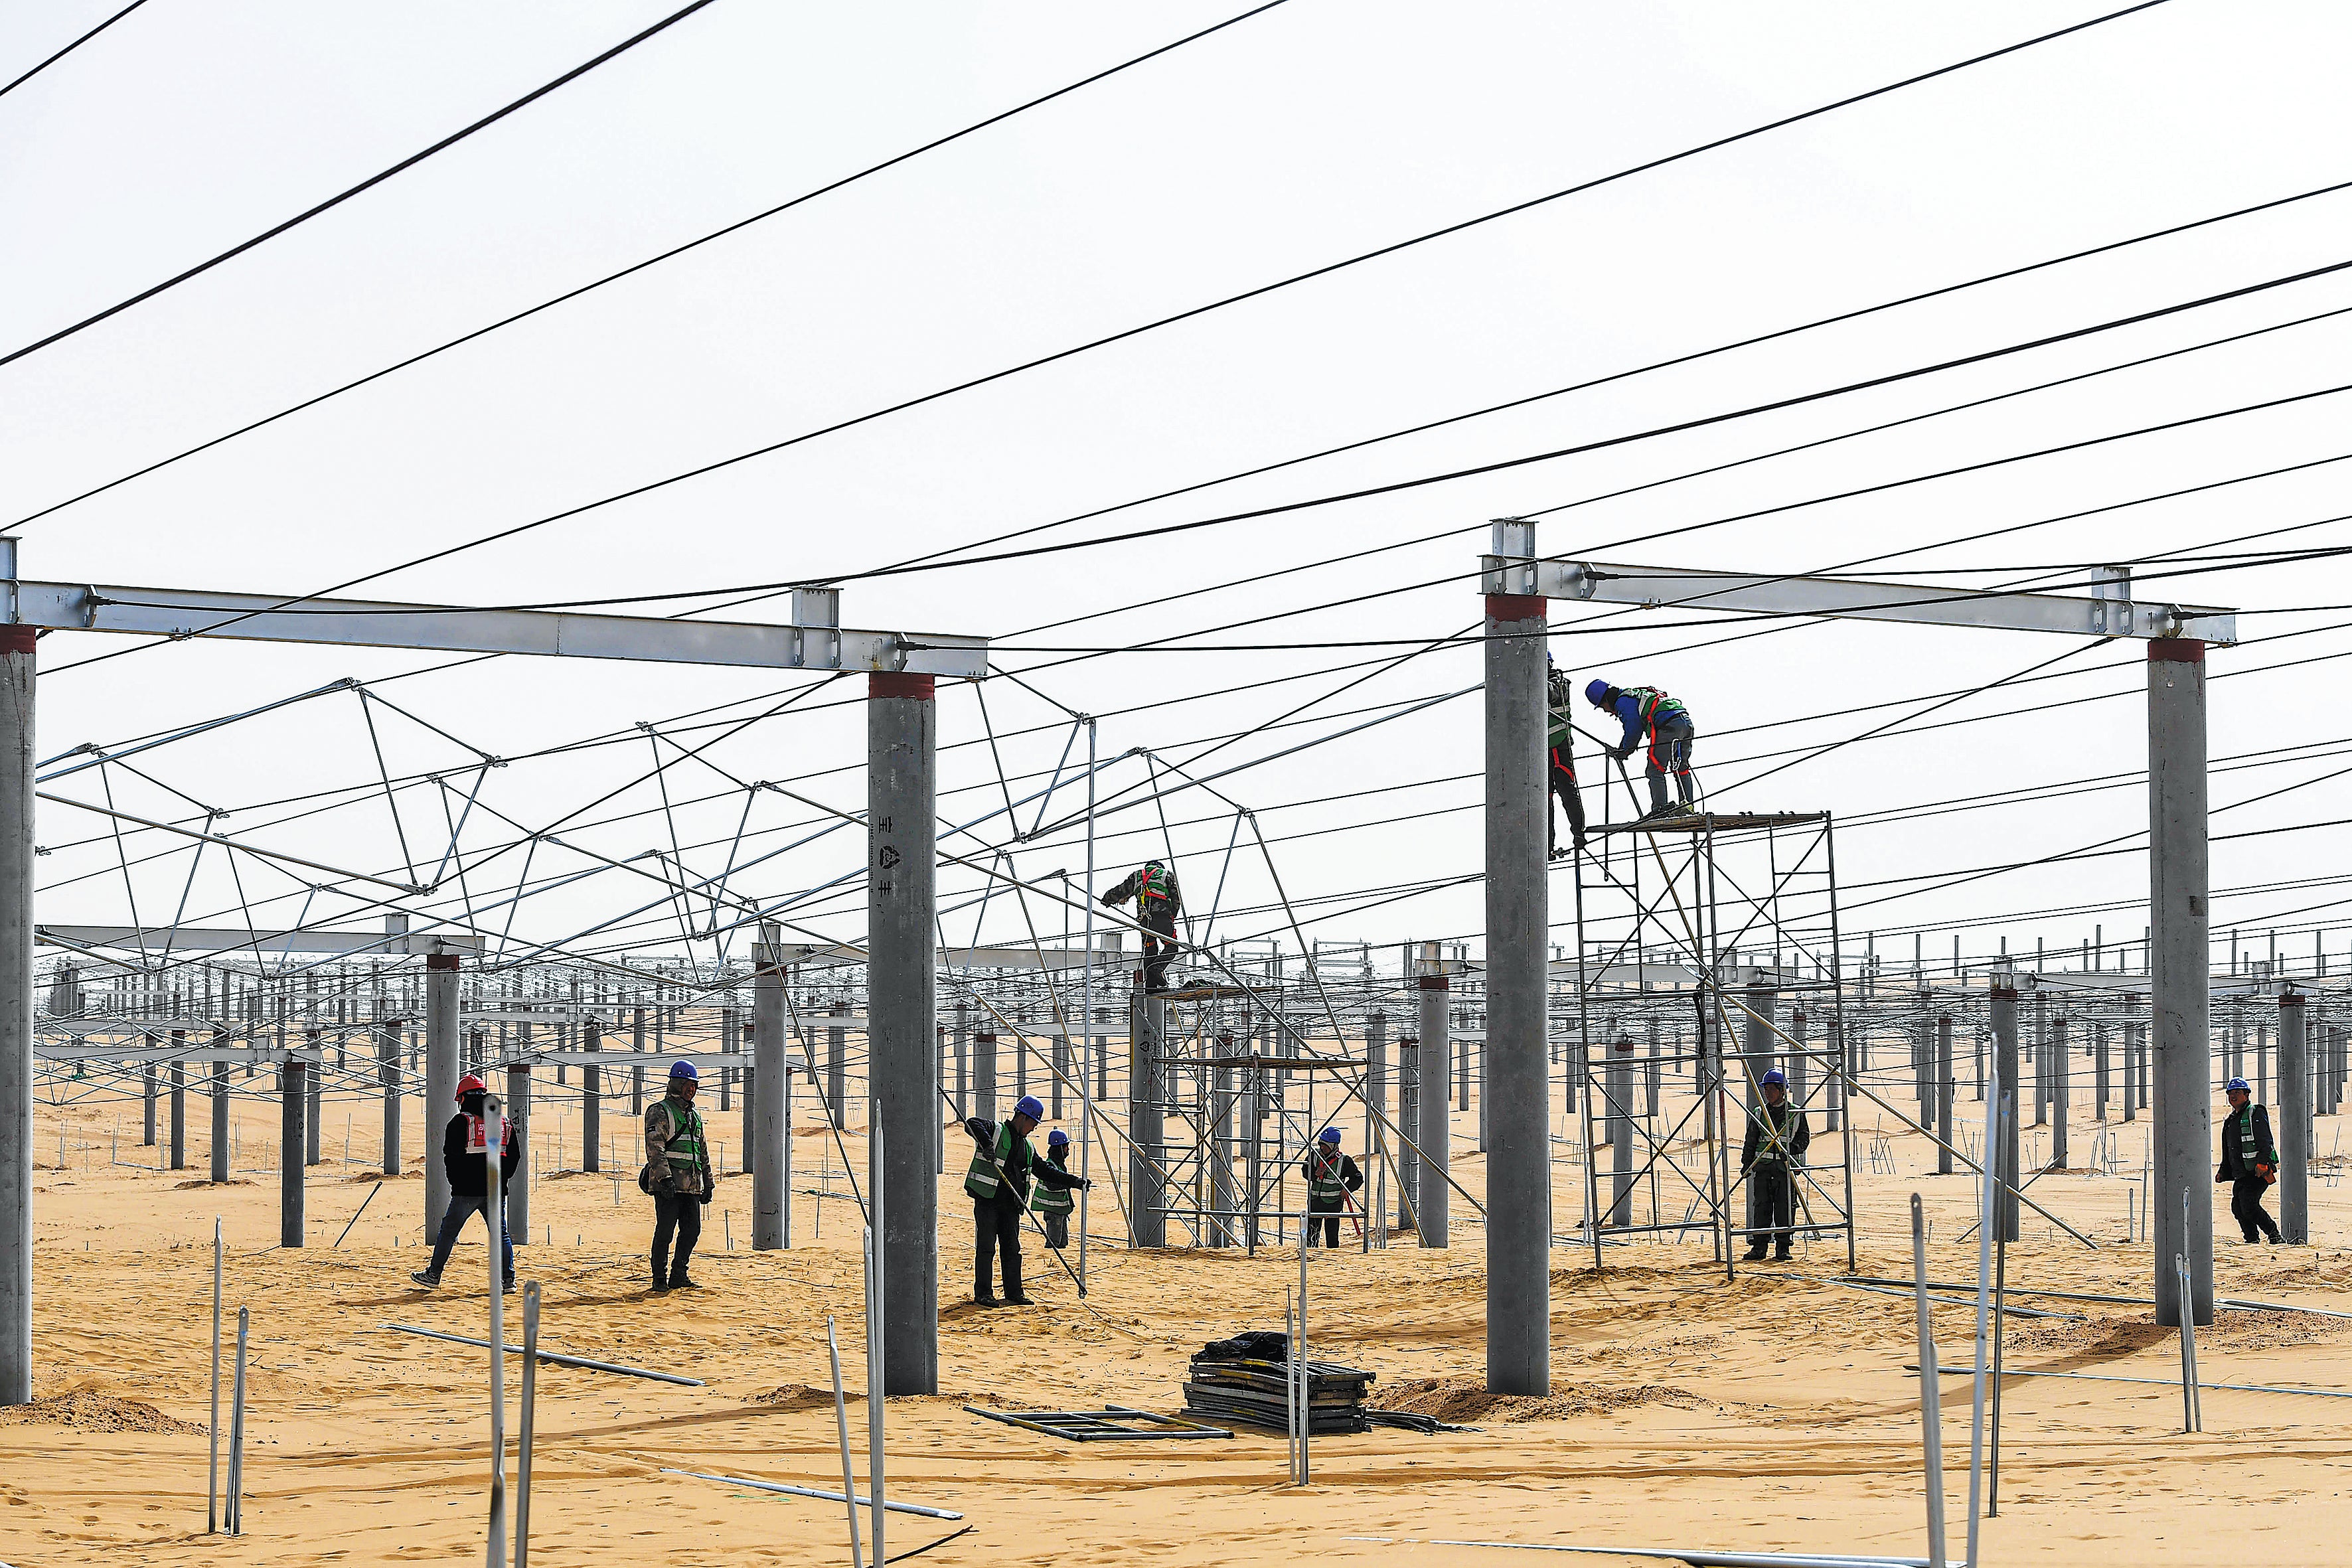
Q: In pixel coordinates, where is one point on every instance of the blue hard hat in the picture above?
(1776, 1075)
(1330, 1135)
(1031, 1107)
(1056, 1138)
(686, 1070)
(1597, 693)
(2237, 1083)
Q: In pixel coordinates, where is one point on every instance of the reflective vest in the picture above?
(2242, 1123)
(1655, 705)
(1556, 734)
(983, 1178)
(1157, 884)
(1053, 1200)
(685, 1145)
(477, 1137)
(1323, 1184)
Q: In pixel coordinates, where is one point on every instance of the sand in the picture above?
(1770, 1412)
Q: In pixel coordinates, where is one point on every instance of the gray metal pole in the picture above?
(983, 1072)
(179, 1078)
(2062, 1097)
(148, 1086)
(1435, 1135)
(836, 1055)
(316, 1077)
(768, 1069)
(1518, 1160)
(519, 1117)
(1944, 1086)
(295, 1095)
(2005, 1063)
(2293, 1130)
(592, 1099)
(16, 1003)
(1408, 1119)
(220, 1117)
(440, 1076)
(1220, 1143)
(901, 1007)
(1617, 1120)
(2179, 898)
(1146, 1209)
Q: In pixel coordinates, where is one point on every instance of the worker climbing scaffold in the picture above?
(1650, 714)
(1561, 761)
(1157, 902)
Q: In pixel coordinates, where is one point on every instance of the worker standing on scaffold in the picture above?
(1157, 902)
(1562, 768)
(1648, 714)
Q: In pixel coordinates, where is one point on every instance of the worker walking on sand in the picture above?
(1053, 1205)
(1002, 1169)
(1650, 714)
(465, 1150)
(1561, 761)
(2248, 1163)
(1157, 902)
(1777, 1137)
(1330, 1177)
(678, 1173)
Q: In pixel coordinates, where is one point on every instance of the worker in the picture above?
(1562, 763)
(2249, 1163)
(1053, 1205)
(1157, 902)
(1330, 1177)
(465, 1148)
(678, 1173)
(1650, 714)
(1002, 1169)
(1777, 1137)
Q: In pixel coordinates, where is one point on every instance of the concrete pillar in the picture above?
(2041, 1059)
(1944, 1085)
(1253, 1151)
(178, 1077)
(149, 1085)
(1436, 1137)
(769, 1070)
(938, 1122)
(294, 1102)
(220, 1115)
(1800, 1059)
(2131, 1072)
(15, 1002)
(2179, 900)
(2294, 1130)
(2005, 1056)
(2061, 1093)
(2099, 1084)
(1223, 1202)
(836, 1062)
(637, 1074)
(1834, 1116)
(592, 1100)
(962, 1041)
(1408, 1121)
(315, 1077)
(1519, 1160)
(440, 1076)
(1061, 1072)
(983, 1073)
(901, 824)
(1146, 1218)
(1376, 1135)
(1617, 1121)
(518, 1115)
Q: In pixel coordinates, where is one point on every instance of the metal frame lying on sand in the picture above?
(1103, 1425)
(553, 1359)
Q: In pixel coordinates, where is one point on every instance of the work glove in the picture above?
(1623, 755)
(1108, 902)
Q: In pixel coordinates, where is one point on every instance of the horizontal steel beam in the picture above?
(227, 938)
(361, 623)
(1011, 956)
(2110, 612)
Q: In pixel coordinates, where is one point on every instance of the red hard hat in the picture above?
(469, 1084)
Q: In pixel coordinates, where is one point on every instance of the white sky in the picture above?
(1300, 137)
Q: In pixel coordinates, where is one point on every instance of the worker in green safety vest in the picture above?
(2248, 1163)
(1648, 714)
(1330, 1177)
(1053, 1205)
(1157, 902)
(1002, 1169)
(677, 1175)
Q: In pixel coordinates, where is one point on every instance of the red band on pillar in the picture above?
(1515, 606)
(17, 639)
(2175, 650)
(882, 683)
(2291, 999)
(440, 961)
(1436, 983)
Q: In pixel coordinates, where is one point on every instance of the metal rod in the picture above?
(1988, 1190)
(373, 1189)
(848, 1494)
(212, 1479)
(552, 1359)
(1931, 1415)
(877, 1321)
(236, 1432)
(815, 1492)
(522, 1443)
(494, 1138)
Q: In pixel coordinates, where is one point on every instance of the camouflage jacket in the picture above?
(664, 1124)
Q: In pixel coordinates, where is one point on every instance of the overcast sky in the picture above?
(1303, 136)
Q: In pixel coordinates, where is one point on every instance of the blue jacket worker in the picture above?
(1649, 714)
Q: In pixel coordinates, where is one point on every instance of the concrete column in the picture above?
(179, 1077)
(1436, 1137)
(983, 1072)
(1061, 1060)
(149, 1085)
(961, 1034)
(769, 1070)
(315, 1077)
(2005, 1064)
(1147, 1221)
(901, 905)
(1223, 1200)
(2099, 1084)
(2061, 1093)
(1376, 1136)
(1834, 1116)
(1518, 1162)
(220, 1116)
(1617, 1121)
(294, 1101)
(15, 1002)
(1800, 1059)
(592, 1100)
(518, 1188)
(1944, 1085)
(1408, 1119)
(2131, 1072)
(938, 1122)
(836, 1062)
(440, 1075)
(2294, 1130)
(1252, 1149)
(2179, 900)
(2041, 1059)
(637, 1074)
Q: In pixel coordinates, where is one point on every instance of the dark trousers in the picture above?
(996, 1225)
(1670, 751)
(678, 1215)
(1057, 1228)
(2246, 1207)
(1159, 946)
(461, 1208)
(1563, 789)
(1322, 1232)
(1771, 1209)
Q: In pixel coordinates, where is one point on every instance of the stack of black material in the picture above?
(1247, 1379)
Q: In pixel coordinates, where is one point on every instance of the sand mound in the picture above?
(800, 1396)
(86, 1411)
(1464, 1401)
(201, 1182)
